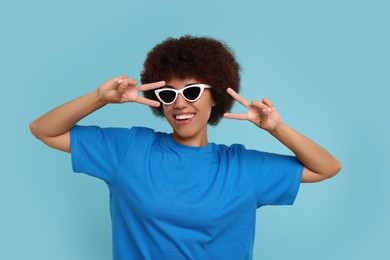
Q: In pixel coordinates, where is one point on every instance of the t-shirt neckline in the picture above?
(173, 144)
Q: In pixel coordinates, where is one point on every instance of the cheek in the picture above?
(165, 110)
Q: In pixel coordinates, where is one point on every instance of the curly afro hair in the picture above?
(205, 59)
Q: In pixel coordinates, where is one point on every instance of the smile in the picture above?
(184, 117)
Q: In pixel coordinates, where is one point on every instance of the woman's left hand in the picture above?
(263, 114)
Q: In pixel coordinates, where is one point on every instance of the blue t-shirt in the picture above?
(171, 201)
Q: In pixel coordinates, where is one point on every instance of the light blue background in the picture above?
(324, 64)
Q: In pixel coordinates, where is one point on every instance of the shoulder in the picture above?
(112, 134)
(240, 152)
(93, 129)
(145, 134)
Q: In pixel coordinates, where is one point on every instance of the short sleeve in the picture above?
(275, 178)
(99, 151)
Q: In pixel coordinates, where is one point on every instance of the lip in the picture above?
(183, 122)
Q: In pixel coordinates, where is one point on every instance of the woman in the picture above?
(178, 196)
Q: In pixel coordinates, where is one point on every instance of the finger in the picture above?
(151, 86)
(264, 108)
(123, 85)
(236, 116)
(148, 102)
(267, 102)
(126, 84)
(266, 111)
(124, 76)
(237, 97)
(121, 77)
(130, 81)
(258, 104)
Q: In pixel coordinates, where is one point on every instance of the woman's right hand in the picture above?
(124, 89)
(53, 128)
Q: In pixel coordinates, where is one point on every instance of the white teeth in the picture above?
(184, 117)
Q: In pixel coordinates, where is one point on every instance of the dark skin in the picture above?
(53, 128)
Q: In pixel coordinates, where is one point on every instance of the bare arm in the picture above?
(53, 128)
(318, 163)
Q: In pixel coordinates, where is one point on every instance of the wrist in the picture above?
(99, 98)
(279, 129)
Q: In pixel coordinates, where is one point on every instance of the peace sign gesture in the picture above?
(124, 89)
(263, 114)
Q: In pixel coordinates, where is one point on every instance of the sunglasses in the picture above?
(190, 93)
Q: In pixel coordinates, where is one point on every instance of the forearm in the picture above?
(311, 155)
(61, 119)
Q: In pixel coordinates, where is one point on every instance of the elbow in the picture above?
(339, 167)
(34, 129)
(330, 171)
(334, 170)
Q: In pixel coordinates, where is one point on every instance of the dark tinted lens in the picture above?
(167, 95)
(192, 93)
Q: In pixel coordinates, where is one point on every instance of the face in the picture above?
(189, 119)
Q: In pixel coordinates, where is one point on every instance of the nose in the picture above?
(180, 102)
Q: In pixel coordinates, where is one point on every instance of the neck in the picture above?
(196, 141)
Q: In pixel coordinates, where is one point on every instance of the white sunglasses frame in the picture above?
(180, 91)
